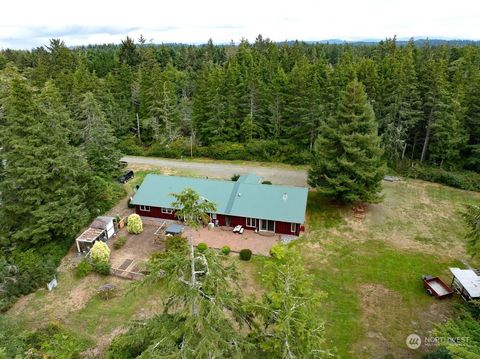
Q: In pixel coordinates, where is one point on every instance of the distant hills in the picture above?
(400, 42)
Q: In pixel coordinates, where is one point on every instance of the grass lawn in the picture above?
(370, 270)
(75, 306)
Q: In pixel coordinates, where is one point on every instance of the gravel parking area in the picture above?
(277, 175)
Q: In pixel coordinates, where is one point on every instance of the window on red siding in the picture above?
(167, 210)
(293, 227)
(251, 222)
(145, 208)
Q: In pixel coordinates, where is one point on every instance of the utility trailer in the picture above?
(436, 287)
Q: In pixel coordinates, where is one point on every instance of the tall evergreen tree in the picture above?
(99, 144)
(44, 177)
(128, 52)
(444, 135)
(347, 162)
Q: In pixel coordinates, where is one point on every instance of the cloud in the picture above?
(106, 21)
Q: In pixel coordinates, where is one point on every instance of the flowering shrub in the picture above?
(100, 253)
(134, 224)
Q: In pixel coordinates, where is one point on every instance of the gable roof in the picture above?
(244, 198)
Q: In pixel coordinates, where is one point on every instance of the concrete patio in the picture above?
(216, 237)
(221, 236)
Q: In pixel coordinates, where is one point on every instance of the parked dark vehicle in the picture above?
(122, 164)
(127, 176)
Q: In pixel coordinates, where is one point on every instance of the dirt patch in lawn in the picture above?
(380, 308)
(71, 295)
(250, 275)
(383, 315)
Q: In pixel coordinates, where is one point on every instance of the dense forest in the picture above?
(266, 100)
(67, 115)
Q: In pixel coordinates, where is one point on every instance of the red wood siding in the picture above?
(280, 227)
(155, 212)
(285, 228)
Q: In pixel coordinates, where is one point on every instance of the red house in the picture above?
(246, 202)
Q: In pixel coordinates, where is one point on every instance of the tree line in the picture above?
(57, 170)
(267, 100)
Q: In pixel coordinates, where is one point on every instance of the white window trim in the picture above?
(266, 230)
(167, 210)
(253, 222)
(144, 208)
(293, 227)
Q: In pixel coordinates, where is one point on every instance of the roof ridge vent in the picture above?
(285, 196)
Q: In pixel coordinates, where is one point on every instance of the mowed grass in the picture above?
(371, 269)
(76, 307)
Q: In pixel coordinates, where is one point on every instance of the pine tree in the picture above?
(347, 161)
(401, 105)
(288, 328)
(203, 304)
(472, 119)
(444, 135)
(298, 105)
(99, 144)
(471, 216)
(44, 177)
(448, 136)
(128, 52)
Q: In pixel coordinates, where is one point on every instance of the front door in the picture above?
(228, 221)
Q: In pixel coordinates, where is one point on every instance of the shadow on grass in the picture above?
(325, 213)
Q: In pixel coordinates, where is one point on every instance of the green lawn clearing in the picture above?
(370, 270)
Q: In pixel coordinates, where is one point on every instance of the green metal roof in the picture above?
(245, 197)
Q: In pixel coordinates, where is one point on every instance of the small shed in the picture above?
(466, 282)
(105, 223)
(102, 228)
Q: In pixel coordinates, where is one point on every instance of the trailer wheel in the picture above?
(429, 291)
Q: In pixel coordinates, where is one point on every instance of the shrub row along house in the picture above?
(246, 202)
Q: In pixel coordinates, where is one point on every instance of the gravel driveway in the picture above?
(277, 175)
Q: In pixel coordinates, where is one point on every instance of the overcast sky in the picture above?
(26, 24)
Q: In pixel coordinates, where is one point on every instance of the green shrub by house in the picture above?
(202, 247)
(278, 251)
(225, 250)
(100, 253)
(134, 224)
(245, 254)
